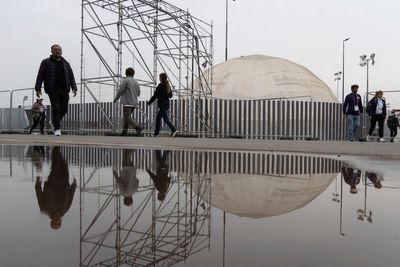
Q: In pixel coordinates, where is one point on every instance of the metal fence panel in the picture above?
(257, 119)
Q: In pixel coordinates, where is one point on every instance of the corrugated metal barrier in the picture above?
(252, 119)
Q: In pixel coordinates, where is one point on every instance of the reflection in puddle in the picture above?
(56, 195)
(159, 207)
(273, 185)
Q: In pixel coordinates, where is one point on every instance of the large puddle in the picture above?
(74, 206)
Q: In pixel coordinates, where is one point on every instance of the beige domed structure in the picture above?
(262, 77)
(259, 196)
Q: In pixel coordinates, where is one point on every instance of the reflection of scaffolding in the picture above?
(121, 31)
(153, 232)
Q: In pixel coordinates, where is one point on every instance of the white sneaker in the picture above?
(382, 140)
(367, 138)
(57, 132)
(174, 134)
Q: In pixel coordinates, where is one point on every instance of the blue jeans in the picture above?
(162, 113)
(353, 122)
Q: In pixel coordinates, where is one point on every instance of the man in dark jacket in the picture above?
(58, 78)
(352, 177)
(57, 194)
(352, 108)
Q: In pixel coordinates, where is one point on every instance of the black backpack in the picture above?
(392, 121)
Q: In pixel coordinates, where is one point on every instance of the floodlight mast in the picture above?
(365, 62)
(343, 43)
(337, 80)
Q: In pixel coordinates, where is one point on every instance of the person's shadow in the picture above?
(126, 179)
(55, 198)
(161, 179)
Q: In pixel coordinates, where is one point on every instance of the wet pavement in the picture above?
(386, 150)
(82, 206)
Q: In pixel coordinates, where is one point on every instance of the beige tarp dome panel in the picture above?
(259, 196)
(263, 77)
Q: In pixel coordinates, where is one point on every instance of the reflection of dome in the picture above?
(258, 196)
(264, 77)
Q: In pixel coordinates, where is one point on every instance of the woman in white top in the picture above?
(376, 110)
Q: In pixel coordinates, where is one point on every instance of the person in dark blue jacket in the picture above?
(376, 110)
(393, 123)
(352, 177)
(163, 93)
(352, 108)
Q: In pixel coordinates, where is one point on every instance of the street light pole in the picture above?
(337, 80)
(365, 62)
(23, 102)
(366, 99)
(226, 29)
(345, 40)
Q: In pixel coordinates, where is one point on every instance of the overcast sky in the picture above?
(308, 32)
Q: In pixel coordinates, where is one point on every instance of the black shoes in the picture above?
(139, 130)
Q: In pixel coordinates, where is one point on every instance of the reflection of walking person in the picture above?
(352, 177)
(129, 92)
(126, 180)
(38, 115)
(352, 108)
(375, 179)
(393, 123)
(162, 94)
(57, 194)
(58, 78)
(376, 109)
(161, 179)
(37, 154)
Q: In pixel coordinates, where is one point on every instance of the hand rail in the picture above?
(11, 102)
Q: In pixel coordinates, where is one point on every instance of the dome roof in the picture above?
(258, 196)
(263, 77)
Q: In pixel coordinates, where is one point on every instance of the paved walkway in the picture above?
(373, 149)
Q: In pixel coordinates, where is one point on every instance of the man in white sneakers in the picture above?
(58, 78)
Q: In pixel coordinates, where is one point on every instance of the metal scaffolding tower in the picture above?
(153, 233)
(153, 36)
